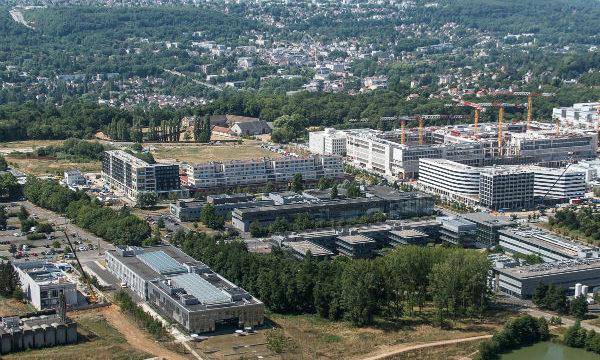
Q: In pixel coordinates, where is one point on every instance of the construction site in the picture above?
(395, 154)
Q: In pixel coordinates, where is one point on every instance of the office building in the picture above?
(458, 231)
(408, 237)
(506, 188)
(327, 142)
(262, 171)
(190, 210)
(43, 283)
(125, 172)
(488, 227)
(578, 116)
(556, 184)
(356, 246)
(521, 281)
(394, 204)
(303, 248)
(550, 247)
(183, 289)
(450, 180)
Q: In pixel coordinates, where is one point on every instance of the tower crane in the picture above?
(530, 96)
(501, 106)
(421, 123)
(478, 110)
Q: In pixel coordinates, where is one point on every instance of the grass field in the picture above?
(198, 153)
(318, 338)
(27, 145)
(51, 166)
(99, 341)
(14, 307)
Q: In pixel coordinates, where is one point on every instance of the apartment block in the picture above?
(127, 173)
(327, 142)
(240, 173)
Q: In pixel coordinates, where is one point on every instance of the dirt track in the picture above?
(134, 336)
(389, 352)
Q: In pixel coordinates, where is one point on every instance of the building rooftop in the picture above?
(408, 234)
(553, 268)
(303, 247)
(355, 239)
(42, 272)
(488, 219)
(545, 239)
(201, 289)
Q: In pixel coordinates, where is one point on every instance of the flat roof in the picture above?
(553, 268)
(409, 234)
(488, 219)
(201, 289)
(162, 263)
(355, 239)
(303, 247)
(547, 240)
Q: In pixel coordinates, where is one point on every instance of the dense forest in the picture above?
(401, 283)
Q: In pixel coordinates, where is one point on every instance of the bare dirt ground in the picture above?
(134, 336)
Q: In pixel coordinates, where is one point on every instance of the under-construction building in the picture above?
(396, 153)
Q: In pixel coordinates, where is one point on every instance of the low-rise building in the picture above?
(74, 178)
(183, 289)
(44, 283)
(408, 237)
(394, 204)
(550, 247)
(488, 227)
(356, 246)
(521, 281)
(304, 248)
(458, 231)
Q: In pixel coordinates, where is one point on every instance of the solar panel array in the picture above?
(200, 288)
(162, 263)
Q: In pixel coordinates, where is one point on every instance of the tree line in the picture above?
(119, 227)
(403, 282)
(584, 220)
(516, 333)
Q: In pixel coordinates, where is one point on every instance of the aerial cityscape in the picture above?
(300, 179)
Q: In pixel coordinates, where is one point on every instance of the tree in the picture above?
(297, 183)
(256, 230)
(202, 130)
(9, 187)
(209, 217)
(539, 294)
(9, 279)
(146, 200)
(575, 336)
(352, 191)
(3, 218)
(160, 223)
(3, 164)
(323, 183)
(334, 192)
(578, 307)
(277, 341)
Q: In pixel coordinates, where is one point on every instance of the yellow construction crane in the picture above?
(530, 96)
(421, 124)
(500, 106)
(478, 110)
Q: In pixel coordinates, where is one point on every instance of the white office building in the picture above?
(327, 142)
(450, 180)
(579, 116)
(558, 183)
(250, 172)
(43, 283)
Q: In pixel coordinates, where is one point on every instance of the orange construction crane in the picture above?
(478, 110)
(421, 123)
(501, 106)
(530, 96)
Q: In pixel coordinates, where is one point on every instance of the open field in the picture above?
(51, 166)
(199, 153)
(26, 145)
(99, 341)
(316, 338)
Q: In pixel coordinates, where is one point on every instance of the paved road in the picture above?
(566, 321)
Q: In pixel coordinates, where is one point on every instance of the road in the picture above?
(208, 85)
(393, 351)
(565, 321)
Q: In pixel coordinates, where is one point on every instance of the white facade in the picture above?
(449, 179)
(74, 178)
(553, 183)
(579, 116)
(327, 142)
(43, 283)
(249, 172)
